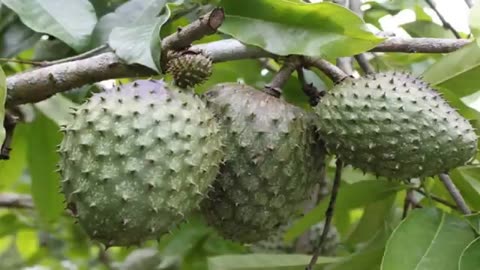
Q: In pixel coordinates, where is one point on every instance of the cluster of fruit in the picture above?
(139, 158)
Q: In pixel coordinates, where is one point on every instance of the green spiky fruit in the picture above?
(269, 166)
(189, 68)
(276, 244)
(136, 159)
(394, 125)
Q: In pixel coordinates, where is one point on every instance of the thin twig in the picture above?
(446, 24)
(274, 88)
(332, 71)
(87, 54)
(345, 64)
(436, 198)
(12, 200)
(469, 3)
(328, 215)
(21, 61)
(406, 203)
(453, 190)
(364, 64)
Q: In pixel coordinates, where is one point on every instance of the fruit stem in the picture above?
(455, 193)
(282, 76)
(328, 214)
(332, 71)
(9, 124)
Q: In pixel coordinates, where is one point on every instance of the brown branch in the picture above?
(332, 71)
(445, 24)
(457, 197)
(39, 84)
(364, 64)
(12, 200)
(274, 88)
(421, 45)
(436, 198)
(328, 215)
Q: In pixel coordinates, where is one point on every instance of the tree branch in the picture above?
(39, 84)
(364, 64)
(421, 45)
(11, 200)
(274, 88)
(332, 71)
(328, 214)
(446, 24)
(457, 197)
(469, 3)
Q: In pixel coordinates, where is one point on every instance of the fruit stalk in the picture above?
(453, 190)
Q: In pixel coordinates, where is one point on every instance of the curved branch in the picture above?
(39, 84)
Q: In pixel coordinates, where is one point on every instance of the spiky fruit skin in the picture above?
(394, 125)
(269, 167)
(136, 159)
(276, 244)
(189, 69)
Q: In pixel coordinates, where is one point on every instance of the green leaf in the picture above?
(278, 25)
(350, 196)
(11, 170)
(475, 19)
(368, 257)
(57, 108)
(264, 262)
(129, 14)
(458, 71)
(27, 243)
(427, 239)
(43, 138)
(427, 29)
(70, 21)
(474, 221)
(374, 219)
(3, 98)
(140, 43)
(15, 38)
(470, 257)
(466, 180)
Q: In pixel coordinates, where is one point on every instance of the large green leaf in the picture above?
(264, 262)
(140, 42)
(70, 21)
(457, 71)
(470, 258)
(43, 138)
(427, 29)
(283, 27)
(350, 196)
(15, 38)
(427, 239)
(129, 14)
(3, 98)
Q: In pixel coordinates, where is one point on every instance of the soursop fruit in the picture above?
(136, 159)
(394, 125)
(271, 163)
(275, 243)
(189, 68)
